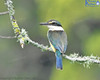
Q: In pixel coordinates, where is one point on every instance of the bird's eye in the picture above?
(53, 23)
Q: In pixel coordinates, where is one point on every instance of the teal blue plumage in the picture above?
(58, 55)
(59, 40)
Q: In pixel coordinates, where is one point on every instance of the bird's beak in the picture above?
(44, 23)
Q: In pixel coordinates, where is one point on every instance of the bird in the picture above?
(58, 40)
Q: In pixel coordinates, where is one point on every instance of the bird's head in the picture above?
(53, 25)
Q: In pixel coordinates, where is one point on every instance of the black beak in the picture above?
(43, 23)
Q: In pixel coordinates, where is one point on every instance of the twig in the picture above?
(2, 13)
(8, 37)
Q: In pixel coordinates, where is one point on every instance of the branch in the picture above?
(41, 46)
(23, 38)
(86, 60)
(2, 13)
(7, 37)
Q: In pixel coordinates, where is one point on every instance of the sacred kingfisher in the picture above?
(57, 39)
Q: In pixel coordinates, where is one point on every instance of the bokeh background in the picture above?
(81, 23)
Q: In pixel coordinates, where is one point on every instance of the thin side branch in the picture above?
(7, 37)
(23, 38)
(2, 13)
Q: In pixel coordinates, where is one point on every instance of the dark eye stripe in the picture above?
(54, 22)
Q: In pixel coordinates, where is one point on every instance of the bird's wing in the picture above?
(58, 39)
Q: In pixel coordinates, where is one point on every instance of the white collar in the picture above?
(55, 28)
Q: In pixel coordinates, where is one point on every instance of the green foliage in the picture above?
(92, 44)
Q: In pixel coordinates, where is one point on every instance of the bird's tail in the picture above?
(58, 60)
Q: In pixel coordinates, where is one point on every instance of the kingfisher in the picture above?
(57, 39)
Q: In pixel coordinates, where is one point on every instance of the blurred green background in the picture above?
(81, 23)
